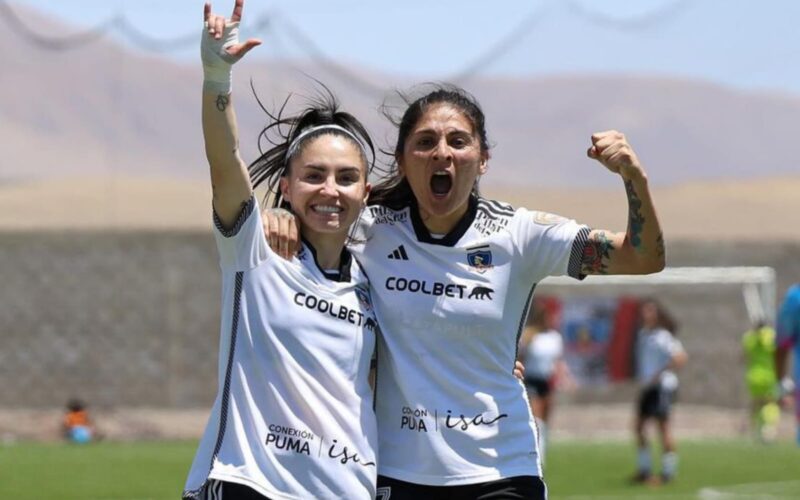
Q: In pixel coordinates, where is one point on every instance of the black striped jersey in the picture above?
(293, 418)
(450, 410)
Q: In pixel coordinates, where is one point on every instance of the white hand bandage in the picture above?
(217, 62)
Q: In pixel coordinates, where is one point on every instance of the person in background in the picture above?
(77, 426)
(659, 354)
(758, 346)
(542, 354)
(788, 339)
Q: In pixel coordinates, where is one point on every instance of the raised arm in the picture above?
(640, 249)
(220, 49)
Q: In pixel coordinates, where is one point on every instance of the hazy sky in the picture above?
(748, 44)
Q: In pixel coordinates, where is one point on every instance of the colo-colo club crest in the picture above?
(480, 258)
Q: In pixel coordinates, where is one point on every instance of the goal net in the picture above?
(713, 306)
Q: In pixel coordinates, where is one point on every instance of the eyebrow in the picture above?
(447, 132)
(318, 168)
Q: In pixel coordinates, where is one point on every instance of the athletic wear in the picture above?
(512, 488)
(656, 401)
(542, 353)
(450, 411)
(538, 386)
(293, 417)
(788, 337)
(654, 351)
(759, 348)
(221, 490)
(789, 327)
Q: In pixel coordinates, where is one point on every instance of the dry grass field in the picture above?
(756, 210)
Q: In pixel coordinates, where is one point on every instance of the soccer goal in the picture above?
(713, 306)
(757, 284)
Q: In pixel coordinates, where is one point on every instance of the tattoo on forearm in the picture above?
(635, 217)
(660, 249)
(596, 254)
(222, 102)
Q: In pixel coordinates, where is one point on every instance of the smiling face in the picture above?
(442, 159)
(326, 185)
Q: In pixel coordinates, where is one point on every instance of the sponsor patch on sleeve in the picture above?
(547, 219)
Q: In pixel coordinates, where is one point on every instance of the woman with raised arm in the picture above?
(452, 276)
(293, 417)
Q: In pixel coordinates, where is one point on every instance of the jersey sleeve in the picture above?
(243, 245)
(550, 245)
(675, 346)
(363, 230)
(788, 333)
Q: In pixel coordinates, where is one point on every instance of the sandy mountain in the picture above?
(105, 109)
(106, 137)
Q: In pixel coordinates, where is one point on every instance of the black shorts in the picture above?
(539, 386)
(656, 402)
(223, 490)
(511, 488)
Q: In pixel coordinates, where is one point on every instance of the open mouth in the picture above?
(441, 183)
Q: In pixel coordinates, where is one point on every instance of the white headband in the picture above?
(295, 144)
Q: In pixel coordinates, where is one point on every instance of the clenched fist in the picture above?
(611, 148)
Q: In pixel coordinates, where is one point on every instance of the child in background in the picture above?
(77, 426)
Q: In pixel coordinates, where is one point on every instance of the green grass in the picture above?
(141, 471)
(709, 470)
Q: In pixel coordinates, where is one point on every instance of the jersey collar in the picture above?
(344, 264)
(450, 239)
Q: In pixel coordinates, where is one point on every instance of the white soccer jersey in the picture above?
(450, 410)
(542, 354)
(654, 351)
(293, 418)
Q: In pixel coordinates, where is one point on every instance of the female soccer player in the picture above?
(293, 418)
(541, 349)
(452, 276)
(658, 355)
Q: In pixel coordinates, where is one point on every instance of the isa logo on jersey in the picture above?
(480, 258)
(363, 298)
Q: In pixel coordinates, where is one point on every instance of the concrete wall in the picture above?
(132, 319)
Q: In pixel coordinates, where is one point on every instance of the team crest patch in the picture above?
(363, 298)
(547, 219)
(480, 258)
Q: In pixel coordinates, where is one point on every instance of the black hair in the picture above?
(394, 191)
(75, 404)
(322, 109)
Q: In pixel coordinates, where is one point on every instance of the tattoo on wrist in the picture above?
(635, 217)
(660, 249)
(223, 101)
(596, 254)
